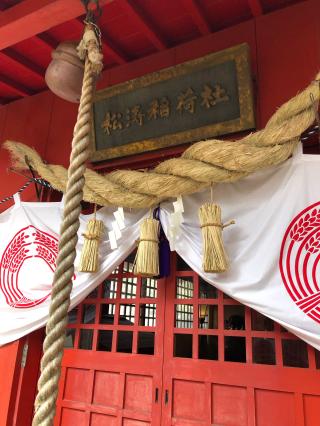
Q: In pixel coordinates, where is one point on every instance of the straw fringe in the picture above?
(89, 261)
(214, 257)
(147, 257)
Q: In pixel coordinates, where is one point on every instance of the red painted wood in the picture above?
(9, 368)
(31, 17)
(27, 386)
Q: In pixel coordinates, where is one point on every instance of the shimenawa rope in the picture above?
(202, 164)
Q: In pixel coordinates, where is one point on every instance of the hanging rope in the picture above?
(202, 164)
(45, 404)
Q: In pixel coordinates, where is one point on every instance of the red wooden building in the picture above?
(138, 351)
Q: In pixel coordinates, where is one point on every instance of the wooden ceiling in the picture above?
(131, 29)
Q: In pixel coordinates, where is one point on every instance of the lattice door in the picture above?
(227, 365)
(112, 371)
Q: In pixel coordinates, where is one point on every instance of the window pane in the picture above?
(181, 264)
(104, 340)
(206, 290)
(149, 287)
(234, 317)
(124, 341)
(184, 288)
(127, 313)
(148, 315)
(109, 288)
(184, 316)
(235, 349)
(129, 287)
(86, 337)
(128, 264)
(70, 335)
(146, 343)
(182, 345)
(107, 313)
(261, 323)
(88, 314)
(294, 353)
(93, 294)
(208, 347)
(72, 316)
(208, 316)
(263, 351)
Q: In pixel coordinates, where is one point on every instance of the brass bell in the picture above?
(64, 74)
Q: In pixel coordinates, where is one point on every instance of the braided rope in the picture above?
(201, 165)
(45, 404)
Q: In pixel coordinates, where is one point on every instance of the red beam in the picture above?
(137, 15)
(23, 62)
(197, 16)
(255, 7)
(15, 87)
(112, 50)
(47, 40)
(31, 17)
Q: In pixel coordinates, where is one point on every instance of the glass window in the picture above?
(128, 264)
(182, 345)
(181, 264)
(107, 313)
(72, 316)
(145, 343)
(206, 290)
(129, 287)
(124, 341)
(149, 288)
(70, 335)
(148, 315)
(184, 316)
(261, 323)
(294, 353)
(88, 313)
(184, 288)
(127, 313)
(86, 337)
(109, 288)
(93, 294)
(235, 349)
(263, 351)
(104, 340)
(208, 347)
(208, 316)
(234, 317)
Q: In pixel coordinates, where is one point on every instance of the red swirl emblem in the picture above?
(299, 260)
(22, 254)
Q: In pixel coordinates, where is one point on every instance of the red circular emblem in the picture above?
(28, 245)
(299, 260)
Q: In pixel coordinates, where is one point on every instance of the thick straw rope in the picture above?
(62, 282)
(202, 164)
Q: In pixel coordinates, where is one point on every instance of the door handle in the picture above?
(156, 398)
(166, 396)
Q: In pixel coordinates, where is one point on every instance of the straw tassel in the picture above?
(89, 261)
(147, 257)
(214, 256)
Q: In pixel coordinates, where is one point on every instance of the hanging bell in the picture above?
(64, 74)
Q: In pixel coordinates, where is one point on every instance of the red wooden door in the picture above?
(112, 371)
(227, 365)
(179, 352)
